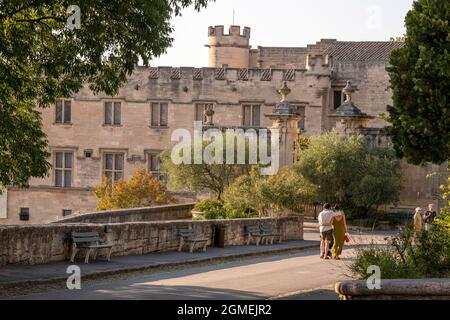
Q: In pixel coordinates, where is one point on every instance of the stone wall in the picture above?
(156, 213)
(36, 244)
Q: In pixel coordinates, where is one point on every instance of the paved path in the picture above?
(42, 272)
(288, 276)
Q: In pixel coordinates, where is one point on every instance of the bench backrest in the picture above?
(267, 227)
(252, 228)
(84, 237)
(187, 233)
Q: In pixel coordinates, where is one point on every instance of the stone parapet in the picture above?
(167, 212)
(36, 244)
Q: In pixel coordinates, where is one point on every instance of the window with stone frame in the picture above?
(251, 115)
(153, 164)
(63, 169)
(63, 111)
(159, 114)
(338, 98)
(300, 110)
(113, 113)
(113, 166)
(200, 111)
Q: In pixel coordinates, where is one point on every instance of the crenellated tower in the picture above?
(228, 50)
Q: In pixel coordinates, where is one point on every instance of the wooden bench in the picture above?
(191, 238)
(89, 241)
(254, 232)
(270, 232)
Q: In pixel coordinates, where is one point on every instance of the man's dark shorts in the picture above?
(327, 235)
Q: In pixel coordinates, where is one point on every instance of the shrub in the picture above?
(212, 209)
(269, 194)
(426, 256)
(390, 264)
(240, 214)
(141, 190)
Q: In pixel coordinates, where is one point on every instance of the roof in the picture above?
(363, 51)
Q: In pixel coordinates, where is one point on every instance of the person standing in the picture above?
(429, 217)
(326, 230)
(418, 221)
(339, 231)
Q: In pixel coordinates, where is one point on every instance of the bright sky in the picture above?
(285, 23)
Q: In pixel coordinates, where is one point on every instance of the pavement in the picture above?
(15, 277)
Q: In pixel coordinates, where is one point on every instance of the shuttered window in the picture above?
(160, 114)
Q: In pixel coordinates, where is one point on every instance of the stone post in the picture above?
(286, 121)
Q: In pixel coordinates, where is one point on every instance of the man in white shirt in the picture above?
(326, 230)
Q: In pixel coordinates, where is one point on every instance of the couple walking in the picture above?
(333, 230)
(424, 220)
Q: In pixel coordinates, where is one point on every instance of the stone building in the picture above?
(94, 135)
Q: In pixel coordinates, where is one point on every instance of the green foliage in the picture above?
(23, 146)
(424, 256)
(240, 214)
(244, 194)
(443, 220)
(269, 194)
(141, 190)
(286, 190)
(346, 171)
(381, 182)
(42, 60)
(390, 264)
(334, 164)
(213, 209)
(420, 80)
(203, 177)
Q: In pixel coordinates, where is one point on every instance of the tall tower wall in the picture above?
(228, 50)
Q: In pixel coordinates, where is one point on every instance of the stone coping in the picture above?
(396, 287)
(126, 212)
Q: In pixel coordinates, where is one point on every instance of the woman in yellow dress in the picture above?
(418, 222)
(339, 230)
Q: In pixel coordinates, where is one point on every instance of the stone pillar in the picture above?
(286, 121)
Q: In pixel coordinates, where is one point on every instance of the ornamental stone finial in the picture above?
(348, 91)
(284, 91)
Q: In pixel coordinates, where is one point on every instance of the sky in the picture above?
(284, 23)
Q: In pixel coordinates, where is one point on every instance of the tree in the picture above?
(269, 194)
(347, 171)
(333, 163)
(244, 194)
(142, 190)
(46, 53)
(381, 183)
(204, 177)
(420, 80)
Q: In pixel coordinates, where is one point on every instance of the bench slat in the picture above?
(252, 229)
(84, 234)
(80, 240)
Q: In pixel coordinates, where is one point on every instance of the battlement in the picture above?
(188, 74)
(233, 31)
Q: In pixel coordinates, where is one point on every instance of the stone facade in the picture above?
(237, 76)
(35, 244)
